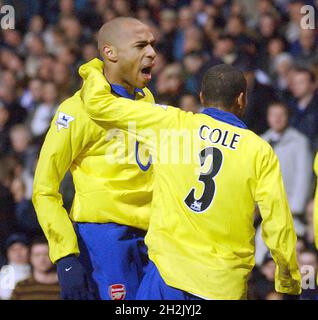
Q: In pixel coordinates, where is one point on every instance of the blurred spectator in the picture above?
(21, 139)
(293, 151)
(72, 30)
(185, 20)
(43, 282)
(236, 28)
(282, 74)
(12, 38)
(25, 214)
(32, 95)
(305, 50)
(193, 40)
(256, 108)
(168, 26)
(7, 217)
(9, 98)
(267, 29)
(45, 111)
(122, 7)
(293, 26)
(36, 49)
(64, 80)
(294, 154)
(17, 267)
(89, 52)
(198, 9)
(194, 70)
(190, 103)
(261, 282)
(170, 84)
(67, 8)
(275, 47)
(225, 51)
(4, 128)
(304, 103)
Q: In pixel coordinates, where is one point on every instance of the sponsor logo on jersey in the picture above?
(196, 206)
(63, 121)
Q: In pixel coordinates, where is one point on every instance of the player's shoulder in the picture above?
(258, 142)
(72, 105)
(71, 110)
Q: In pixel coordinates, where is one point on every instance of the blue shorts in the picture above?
(114, 256)
(153, 287)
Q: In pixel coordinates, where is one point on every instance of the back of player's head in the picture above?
(222, 85)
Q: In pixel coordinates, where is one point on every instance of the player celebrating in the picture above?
(201, 234)
(111, 208)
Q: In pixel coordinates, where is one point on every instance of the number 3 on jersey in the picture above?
(207, 178)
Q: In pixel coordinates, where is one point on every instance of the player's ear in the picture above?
(110, 53)
(201, 98)
(240, 104)
(241, 100)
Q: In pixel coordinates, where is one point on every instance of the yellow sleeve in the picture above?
(277, 227)
(316, 203)
(104, 107)
(61, 146)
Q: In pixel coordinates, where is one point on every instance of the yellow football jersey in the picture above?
(107, 188)
(208, 178)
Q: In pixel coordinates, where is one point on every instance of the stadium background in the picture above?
(38, 69)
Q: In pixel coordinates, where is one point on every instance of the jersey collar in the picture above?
(224, 116)
(122, 92)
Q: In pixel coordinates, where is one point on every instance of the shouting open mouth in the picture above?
(146, 71)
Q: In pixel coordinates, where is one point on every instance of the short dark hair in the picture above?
(281, 104)
(38, 239)
(222, 84)
(310, 74)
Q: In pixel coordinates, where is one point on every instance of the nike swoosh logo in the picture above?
(68, 269)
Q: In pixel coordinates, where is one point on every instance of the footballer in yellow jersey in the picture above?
(201, 234)
(111, 207)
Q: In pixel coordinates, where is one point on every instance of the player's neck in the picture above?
(113, 78)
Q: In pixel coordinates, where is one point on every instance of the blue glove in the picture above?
(74, 281)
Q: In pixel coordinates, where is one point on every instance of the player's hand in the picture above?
(74, 281)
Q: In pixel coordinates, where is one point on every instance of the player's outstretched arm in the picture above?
(102, 106)
(277, 226)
